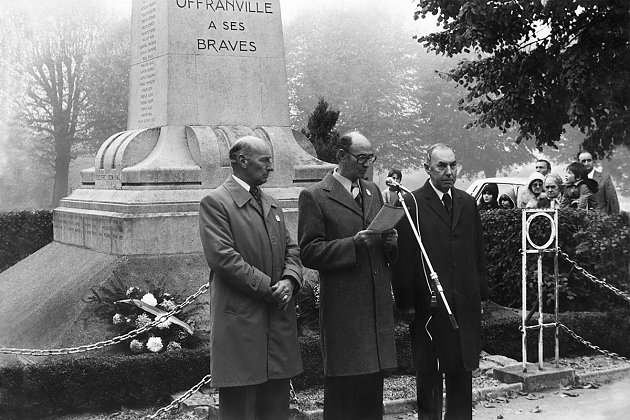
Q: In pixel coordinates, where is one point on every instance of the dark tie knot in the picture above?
(255, 192)
(448, 204)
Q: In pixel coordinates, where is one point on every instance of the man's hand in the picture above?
(408, 315)
(368, 238)
(390, 239)
(282, 292)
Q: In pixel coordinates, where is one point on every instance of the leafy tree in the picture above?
(540, 66)
(321, 131)
(57, 54)
(385, 86)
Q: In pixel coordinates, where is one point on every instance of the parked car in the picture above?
(507, 185)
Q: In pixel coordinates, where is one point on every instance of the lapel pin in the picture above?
(368, 192)
(277, 218)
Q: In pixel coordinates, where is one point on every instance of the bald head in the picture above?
(355, 155)
(251, 160)
(441, 166)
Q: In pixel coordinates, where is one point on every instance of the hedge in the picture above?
(597, 242)
(96, 382)
(22, 233)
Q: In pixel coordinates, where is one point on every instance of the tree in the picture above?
(57, 55)
(321, 131)
(540, 66)
(370, 68)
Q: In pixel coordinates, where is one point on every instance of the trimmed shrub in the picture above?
(22, 233)
(82, 383)
(597, 242)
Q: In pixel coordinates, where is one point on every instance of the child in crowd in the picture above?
(489, 196)
(580, 189)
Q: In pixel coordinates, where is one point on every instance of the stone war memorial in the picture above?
(203, 74)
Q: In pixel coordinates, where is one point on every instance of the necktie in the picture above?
(256, 194)
(356, 194)
(448, 204)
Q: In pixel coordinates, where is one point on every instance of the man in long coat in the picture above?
(255, 272)
(356, 308)
(607, 200)
(450, 230)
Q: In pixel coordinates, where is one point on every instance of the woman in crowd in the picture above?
(528, 197)
(580, 191)
(489, 196)
(506, 201)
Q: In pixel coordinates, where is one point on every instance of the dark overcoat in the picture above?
(356, 307)
(251, 340)
(456, 252)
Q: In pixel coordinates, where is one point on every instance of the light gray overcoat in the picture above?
(356, 308)
(251, 340)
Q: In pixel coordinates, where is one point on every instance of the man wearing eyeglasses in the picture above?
(450, 230)
(606, 194)
(356, 308)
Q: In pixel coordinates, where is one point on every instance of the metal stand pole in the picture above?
(540, 311)
(524, 294)
(433, 274)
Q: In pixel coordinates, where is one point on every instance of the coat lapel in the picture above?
(435, 204)
(241, 196)
(457, 206)
(367, 198)
(337, 192)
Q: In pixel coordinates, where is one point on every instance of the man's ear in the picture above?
(242, 161)
(340, 154)
(427, 168)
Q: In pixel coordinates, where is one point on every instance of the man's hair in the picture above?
(237, 148)
(395, 172)
(554, 177)
(547, 162)
(578, 169)
(437, 146)
(584, 151)
(345, 141)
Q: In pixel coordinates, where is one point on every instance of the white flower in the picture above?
(131, 291)
(149, 299)
(136, 346)
(165, 323)
(154, 344)
(173, 345)
(142, 320)
(168, 305)
(118, 319)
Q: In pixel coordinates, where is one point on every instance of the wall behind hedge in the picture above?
(22, 233)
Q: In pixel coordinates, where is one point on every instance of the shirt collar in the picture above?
(591, 174)
(347, 184)
(440, 193)
(241, 182)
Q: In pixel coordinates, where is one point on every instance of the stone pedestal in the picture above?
(535, 379)
(203, 75)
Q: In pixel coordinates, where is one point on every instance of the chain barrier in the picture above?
(112, 341)
(293, 395)
(185, 396)
(591, 345)
(594, 279)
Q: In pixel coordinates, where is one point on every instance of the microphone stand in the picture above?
(434, 276)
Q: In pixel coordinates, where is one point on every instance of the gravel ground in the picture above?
(396, 387)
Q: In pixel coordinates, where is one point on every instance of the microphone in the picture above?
(391, 182)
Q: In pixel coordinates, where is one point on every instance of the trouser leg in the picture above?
(357, 397)
(429, 395)
(272, 400)
(458, 396)
(237, 403)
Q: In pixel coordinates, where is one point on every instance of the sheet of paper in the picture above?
(387, 218)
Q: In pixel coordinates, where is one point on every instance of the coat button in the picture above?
(376, 272)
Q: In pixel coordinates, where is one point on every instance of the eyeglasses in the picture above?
(362, 159)
(537, 184)
(586, 160)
